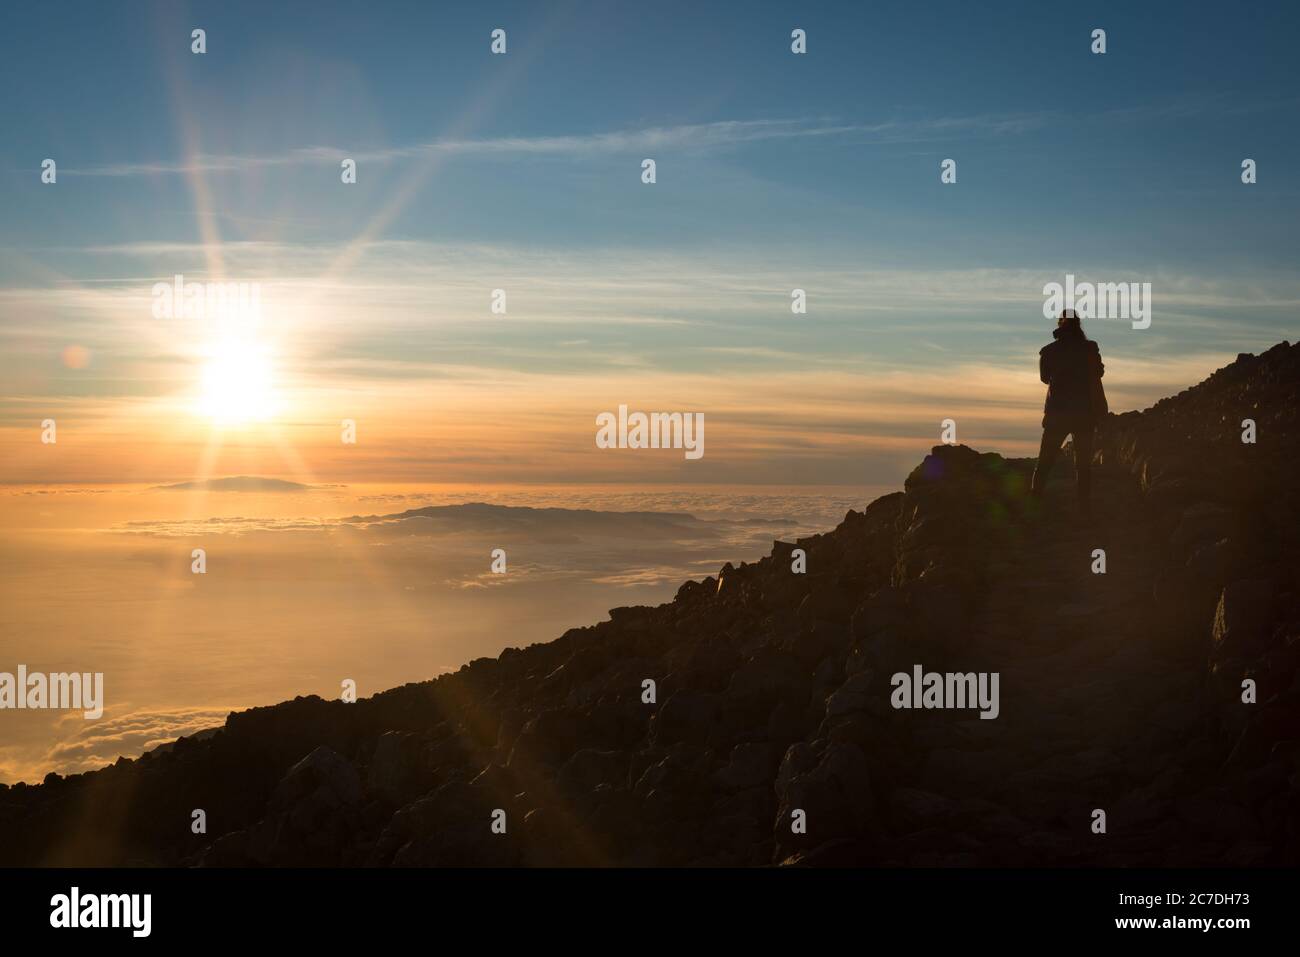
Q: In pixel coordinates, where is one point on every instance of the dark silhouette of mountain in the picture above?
(1120, 691)
(240, 483)
(548, 524)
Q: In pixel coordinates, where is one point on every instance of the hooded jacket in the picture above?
(1068, 367)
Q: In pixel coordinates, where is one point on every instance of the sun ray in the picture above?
(422, 171)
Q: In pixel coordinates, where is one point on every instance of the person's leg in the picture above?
(1048, 449)
(1082, 436)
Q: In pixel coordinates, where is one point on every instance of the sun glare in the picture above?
(236, 386)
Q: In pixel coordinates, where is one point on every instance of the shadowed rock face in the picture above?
(1119, 691)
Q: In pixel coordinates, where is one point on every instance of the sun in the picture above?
(236, 386)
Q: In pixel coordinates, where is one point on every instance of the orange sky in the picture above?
(825, 427)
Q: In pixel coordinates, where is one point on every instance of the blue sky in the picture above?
(1135, 151)
(774, 171)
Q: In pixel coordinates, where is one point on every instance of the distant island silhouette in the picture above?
(240, 483)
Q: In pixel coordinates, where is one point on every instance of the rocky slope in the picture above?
(1120, 691)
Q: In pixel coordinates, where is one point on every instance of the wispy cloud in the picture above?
(684, 137)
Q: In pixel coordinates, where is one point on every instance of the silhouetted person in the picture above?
(1072, 369)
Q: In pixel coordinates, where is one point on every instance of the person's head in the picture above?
(1067, 324)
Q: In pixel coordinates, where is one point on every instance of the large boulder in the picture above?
(750, 765)
(548, 739)
(452, 827)
(312, 818)
(1242, 619)
(832, 789)
(323, 775)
